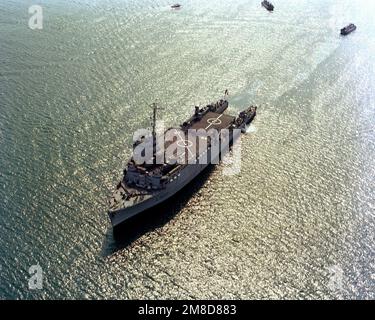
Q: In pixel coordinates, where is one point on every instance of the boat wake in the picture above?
(251, 129)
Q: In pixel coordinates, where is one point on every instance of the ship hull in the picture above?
(186, 175)
(345, 32)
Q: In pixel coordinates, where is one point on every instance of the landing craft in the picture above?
(268, 5)
(348, 29)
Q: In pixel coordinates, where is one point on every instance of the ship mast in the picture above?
(155, 108)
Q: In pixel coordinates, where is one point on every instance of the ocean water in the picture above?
(297, 222)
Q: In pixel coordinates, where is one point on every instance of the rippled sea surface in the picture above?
(297, 222)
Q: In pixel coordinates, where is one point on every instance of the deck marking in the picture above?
(213, 121)
(186, 143)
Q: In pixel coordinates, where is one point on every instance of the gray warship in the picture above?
(144, 185)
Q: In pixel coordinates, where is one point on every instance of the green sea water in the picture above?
(297, 222)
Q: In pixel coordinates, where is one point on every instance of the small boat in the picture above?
(348, 29)
(246, 117)
(176, 6)
(268, 5)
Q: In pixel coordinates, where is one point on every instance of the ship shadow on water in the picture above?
(125, 234)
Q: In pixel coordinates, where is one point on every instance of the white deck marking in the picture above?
(213, 121)
(187, 145)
